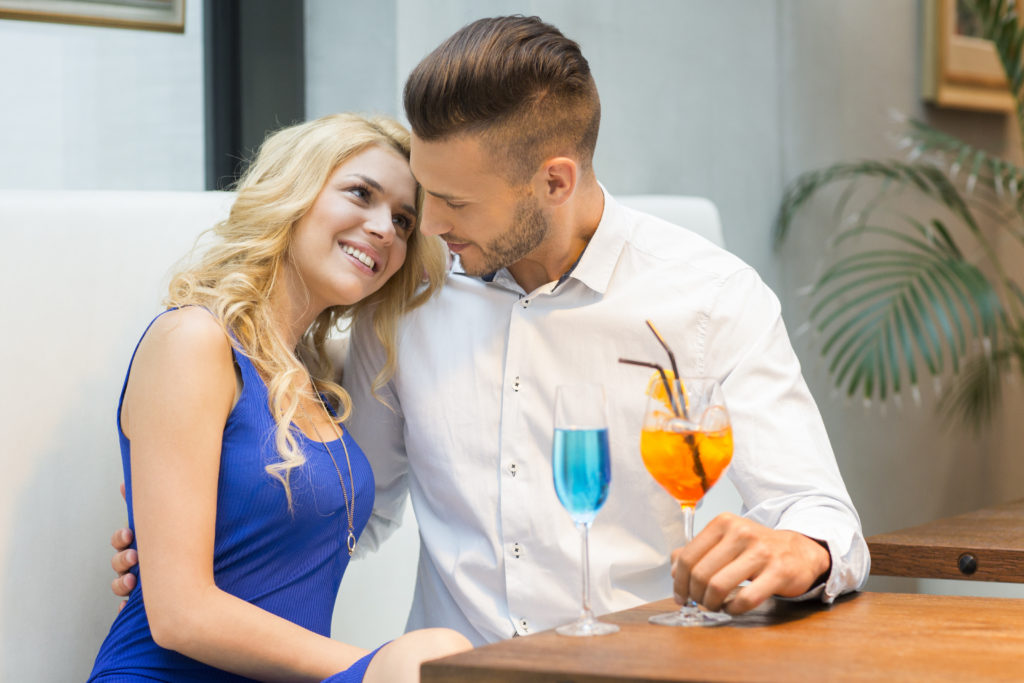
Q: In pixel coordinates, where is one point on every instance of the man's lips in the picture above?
(456, 247)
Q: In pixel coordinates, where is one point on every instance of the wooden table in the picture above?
(985, 545)
(867, 637)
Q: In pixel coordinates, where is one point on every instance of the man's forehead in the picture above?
(449, 165)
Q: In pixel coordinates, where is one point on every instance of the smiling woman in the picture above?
(242, 519)
(353, 238)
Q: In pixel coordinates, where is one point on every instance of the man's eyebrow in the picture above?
(441, 195)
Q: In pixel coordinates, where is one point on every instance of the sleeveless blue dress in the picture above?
(288, 564)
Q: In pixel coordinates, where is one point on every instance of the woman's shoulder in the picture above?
(189, 332)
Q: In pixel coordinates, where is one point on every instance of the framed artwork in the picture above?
(151, 15)
(959, 69)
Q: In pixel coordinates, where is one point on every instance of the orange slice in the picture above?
(656, 388)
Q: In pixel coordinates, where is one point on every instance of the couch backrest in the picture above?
(83, 273)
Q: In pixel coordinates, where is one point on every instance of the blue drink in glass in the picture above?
(582, 471)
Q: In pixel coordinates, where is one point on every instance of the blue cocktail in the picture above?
(581, 469)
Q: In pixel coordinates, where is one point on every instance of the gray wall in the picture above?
(101, 108)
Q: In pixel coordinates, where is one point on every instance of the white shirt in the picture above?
(470, 437)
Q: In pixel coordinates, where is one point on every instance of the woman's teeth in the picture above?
(361, 256)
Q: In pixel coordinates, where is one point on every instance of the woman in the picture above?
(244, 490)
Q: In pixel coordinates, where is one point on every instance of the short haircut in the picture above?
(517, 81)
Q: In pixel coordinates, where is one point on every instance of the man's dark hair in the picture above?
(517, 81)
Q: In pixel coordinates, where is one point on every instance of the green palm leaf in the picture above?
(924, 178)
(881, 310)
(977, 393)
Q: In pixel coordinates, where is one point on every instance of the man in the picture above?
(554, 284)
(558, 280)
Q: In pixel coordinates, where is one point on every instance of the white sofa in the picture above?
(82, 273)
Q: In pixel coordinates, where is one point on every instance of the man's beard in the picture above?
(528, 229)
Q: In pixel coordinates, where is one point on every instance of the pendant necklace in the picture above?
(351, 538)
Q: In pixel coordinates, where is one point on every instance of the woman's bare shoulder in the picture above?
(189, 330)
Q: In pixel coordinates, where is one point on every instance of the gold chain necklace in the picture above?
(351, 538)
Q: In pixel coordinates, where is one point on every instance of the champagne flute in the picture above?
(581, 467)
(686, 444)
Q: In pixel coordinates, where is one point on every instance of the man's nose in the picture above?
(432, 217)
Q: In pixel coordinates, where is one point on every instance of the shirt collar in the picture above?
(597, 262)
(595, 265)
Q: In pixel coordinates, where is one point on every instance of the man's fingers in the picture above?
(124, 560)
(714, 590)
(122, 586)
(750, 596)
(121, 539)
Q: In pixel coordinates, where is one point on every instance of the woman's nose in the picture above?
(380, 224)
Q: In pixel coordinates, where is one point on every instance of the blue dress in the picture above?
(288, 564)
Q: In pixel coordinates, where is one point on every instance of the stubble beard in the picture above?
(528, 229)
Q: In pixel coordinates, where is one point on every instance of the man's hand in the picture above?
(732, 549)
(124, 559)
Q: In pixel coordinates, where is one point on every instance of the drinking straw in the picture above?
(664, 381)
(664, 345)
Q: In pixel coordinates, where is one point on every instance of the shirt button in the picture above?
(515, 384)
(513, 469)
(517, 550)
(523, 626)
(525, 303)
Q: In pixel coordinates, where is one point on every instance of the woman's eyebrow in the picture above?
(380, 188)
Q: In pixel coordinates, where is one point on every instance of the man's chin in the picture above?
(474, 266)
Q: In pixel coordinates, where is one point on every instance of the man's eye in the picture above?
(453, 206)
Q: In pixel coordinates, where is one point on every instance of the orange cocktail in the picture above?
(687, 462)
(686, 444)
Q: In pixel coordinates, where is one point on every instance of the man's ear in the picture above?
(557, 179)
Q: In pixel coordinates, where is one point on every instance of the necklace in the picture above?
(351, 538)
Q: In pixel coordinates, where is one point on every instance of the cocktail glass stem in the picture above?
(689, 609)
(586, 615)
(586, 625)
(689, 613)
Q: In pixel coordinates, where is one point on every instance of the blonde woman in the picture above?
(245, 492)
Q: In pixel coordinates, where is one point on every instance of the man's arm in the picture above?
(379, 431)
(799, 524)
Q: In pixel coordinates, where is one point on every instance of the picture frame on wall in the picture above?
(149, 15)
(959, 69)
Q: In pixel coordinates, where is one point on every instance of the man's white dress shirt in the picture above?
(471, 431)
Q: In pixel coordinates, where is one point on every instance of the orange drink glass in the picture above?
(686, 445)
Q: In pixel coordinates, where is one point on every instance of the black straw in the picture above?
(664, 380)
(664, 345)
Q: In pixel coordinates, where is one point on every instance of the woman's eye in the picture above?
(360, 192)
(404, 223)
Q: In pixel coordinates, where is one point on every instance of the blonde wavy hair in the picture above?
(234, 277)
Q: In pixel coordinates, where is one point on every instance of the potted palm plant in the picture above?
(908, 294)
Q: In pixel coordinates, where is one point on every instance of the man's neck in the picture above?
(572, 226)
